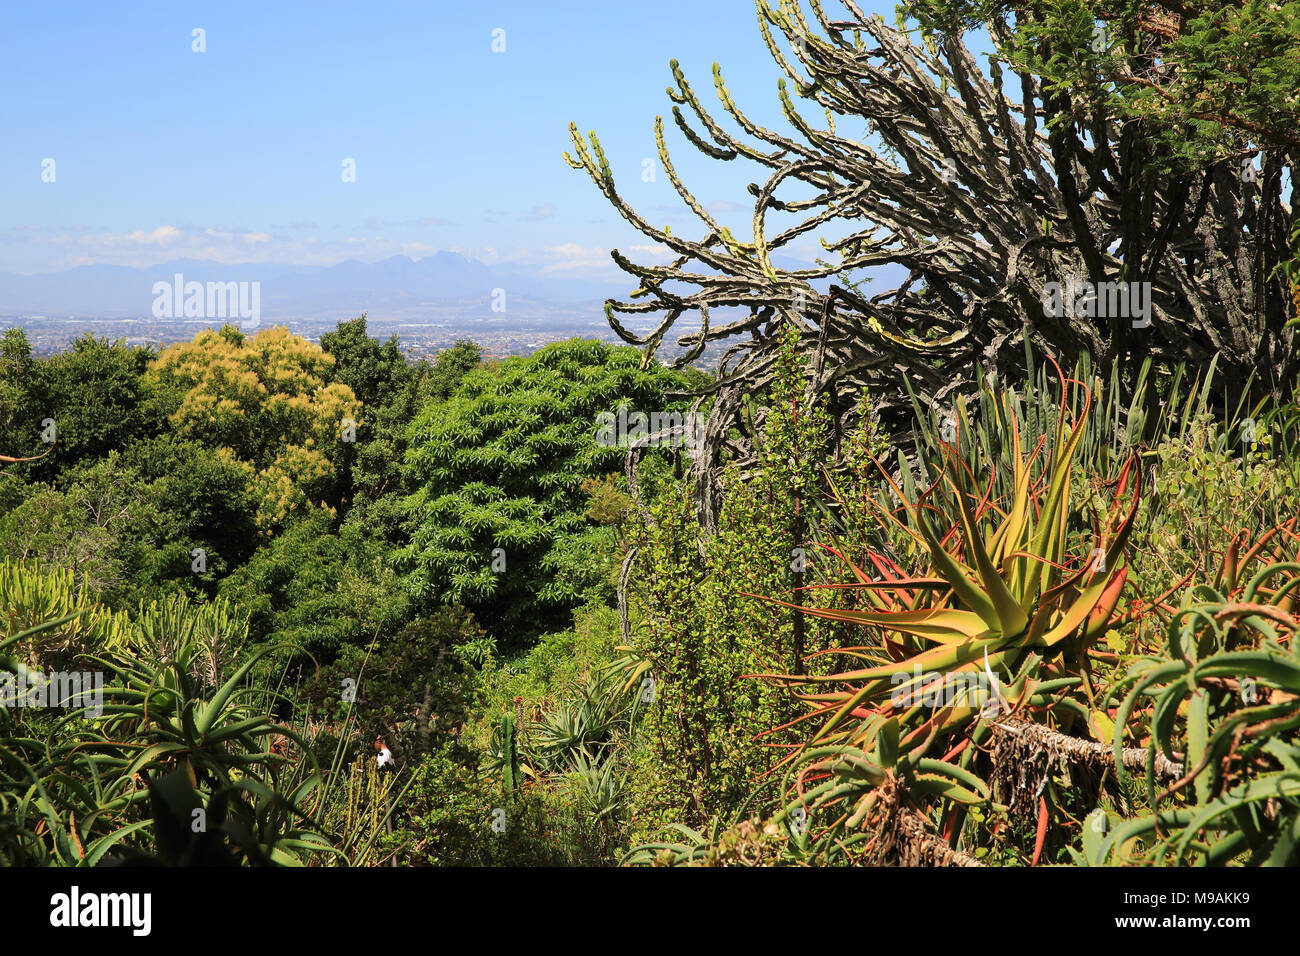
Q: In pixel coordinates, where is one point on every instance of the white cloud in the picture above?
(571, 257)
(54, 248)
(568, 260)
(540, 213)
(661, 253)
(722, 207)
(141, 248)
(162, 236)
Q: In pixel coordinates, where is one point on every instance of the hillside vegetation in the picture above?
(999, 567)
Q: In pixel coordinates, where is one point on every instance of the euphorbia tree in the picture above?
(985, 183)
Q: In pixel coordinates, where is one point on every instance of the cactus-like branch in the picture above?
(981, 199)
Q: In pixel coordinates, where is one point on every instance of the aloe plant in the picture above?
(32, 593)
(1003, 606)
(76, 795)
(1221, 696)
(1000, 583)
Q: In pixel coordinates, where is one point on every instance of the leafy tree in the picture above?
(500, 466)
(129, 524)
(317, 590)
(200, 498)
(13, 490)
(86, 528)
(1206, 80)
(377, 479)
(17, 381)
(385, 383)
(271, 401)
(374, 372)
(447, 370)
(94, 394)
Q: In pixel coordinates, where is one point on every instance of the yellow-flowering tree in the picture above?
(269, 399)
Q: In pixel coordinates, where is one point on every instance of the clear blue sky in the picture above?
(235, 154)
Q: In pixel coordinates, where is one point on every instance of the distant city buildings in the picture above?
(50, 334)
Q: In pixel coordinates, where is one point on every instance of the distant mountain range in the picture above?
(395, 288)
(444, 290)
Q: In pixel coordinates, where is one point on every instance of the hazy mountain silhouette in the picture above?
(397, 284)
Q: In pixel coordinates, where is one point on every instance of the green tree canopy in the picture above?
(93, 393)
(375, 372)
(318, 590)
(501, 464)
(1207, 80)
(447, 370)
(271, 401)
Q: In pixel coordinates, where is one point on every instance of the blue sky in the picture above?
(235, 154)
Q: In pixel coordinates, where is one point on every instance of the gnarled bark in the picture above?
(980, 201)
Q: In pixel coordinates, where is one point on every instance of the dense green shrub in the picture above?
(705, 632)
(498, 519)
